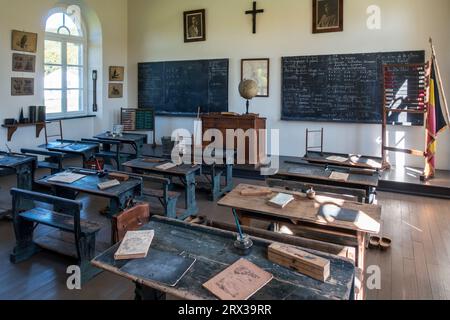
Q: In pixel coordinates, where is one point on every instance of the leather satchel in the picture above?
(130, 220)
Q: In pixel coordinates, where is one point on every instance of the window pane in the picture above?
(53, 52)
(53, 101)
(74, 53)
(74, 80)
(74, 100)
(53, 77)
(54, 22)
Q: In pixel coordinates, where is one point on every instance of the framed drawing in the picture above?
(116, 73)
(115, 90)
(328, 16)
(22, 86)
(24, 41)
(258, 70)
(23, 62)
(195, 26)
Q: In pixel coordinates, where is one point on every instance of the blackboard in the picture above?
(178, 88)
(340, 88)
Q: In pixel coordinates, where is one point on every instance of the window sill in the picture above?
(72, 118)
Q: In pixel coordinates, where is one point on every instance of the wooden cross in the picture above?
(254, 12)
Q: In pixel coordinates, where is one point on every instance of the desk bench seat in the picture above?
(59, 220)
(154, 193)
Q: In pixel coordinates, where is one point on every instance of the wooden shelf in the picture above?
(12, 128)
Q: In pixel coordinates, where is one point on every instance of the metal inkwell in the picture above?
(243, 243)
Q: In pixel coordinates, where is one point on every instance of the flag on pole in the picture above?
(436, 122)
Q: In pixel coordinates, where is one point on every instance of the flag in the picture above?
(436, 123)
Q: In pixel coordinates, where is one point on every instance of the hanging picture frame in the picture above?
(328, 16)
(115, 90)
(195, 25)
(258, 70)
(116, 73)
(22, 86)
(24, 41)
(23, 63)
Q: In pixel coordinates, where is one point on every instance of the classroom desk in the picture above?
(137, 141)
(118, 196)
(302, 216)
(214, 251)
(320, 174)
(214, 172)
(22, 166)
(186, 173)
(83, 149)
(345, 160)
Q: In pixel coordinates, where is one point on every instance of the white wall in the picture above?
(107, 26)
(155, 33)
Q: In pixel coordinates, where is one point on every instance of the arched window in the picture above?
(65, 64)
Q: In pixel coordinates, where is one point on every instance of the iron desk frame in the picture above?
(89, 150)
(137, 141)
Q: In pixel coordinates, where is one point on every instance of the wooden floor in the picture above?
(417, 266)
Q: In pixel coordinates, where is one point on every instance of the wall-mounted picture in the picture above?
(116, 73)
(23, 63)
(195, 26)
(258, 70)
(328, 16)
(22, 86)
(24, 41)
(115, 90)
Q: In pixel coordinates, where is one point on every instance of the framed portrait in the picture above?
(258, 70)
(22, 86)
(115, 90)
(24, 41)
(195, 26)
(23, 63)
(328, 16)
(116, 73)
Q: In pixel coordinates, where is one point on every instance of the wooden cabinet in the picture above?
(255, 142)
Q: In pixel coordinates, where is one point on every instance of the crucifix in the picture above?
(254, 12)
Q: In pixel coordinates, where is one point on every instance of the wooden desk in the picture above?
(214, 251)
(352, 161)
(137, 141)
(319, 174)
(304, 212)
(214, 172)
(83, 149)
(186, 173)
(118, 196)
(22, 166)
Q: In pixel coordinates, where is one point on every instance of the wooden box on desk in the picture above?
(223, 122)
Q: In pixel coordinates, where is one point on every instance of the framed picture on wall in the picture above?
(23, 62)
(195, 26)
(116, 73)
(328, 16)
(115, 90)
(22, 86)
(24, 41)
(258, 70)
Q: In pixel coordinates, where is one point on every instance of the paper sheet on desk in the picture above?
(166, 166)
(66, 177)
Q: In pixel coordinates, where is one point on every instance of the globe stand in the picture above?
(248, 106)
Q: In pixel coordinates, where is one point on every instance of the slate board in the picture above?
(160, 266)
(340, 88)
(178, 88)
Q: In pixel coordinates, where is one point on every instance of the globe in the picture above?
(248, 89)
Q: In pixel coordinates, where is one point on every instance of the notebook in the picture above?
(166, 166)
(66, 177)
(339, 176)
(333, 212)
(240, 281)
(135, 245)
(281, 200)
(337, 159)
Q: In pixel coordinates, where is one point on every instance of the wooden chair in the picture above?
(160, 190)
(52, 161)
(26, 220)
(106, 151)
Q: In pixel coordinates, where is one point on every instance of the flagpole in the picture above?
(441, 86)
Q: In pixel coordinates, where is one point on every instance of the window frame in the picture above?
(65, 40)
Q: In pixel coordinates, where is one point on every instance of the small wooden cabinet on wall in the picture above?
(255, 144)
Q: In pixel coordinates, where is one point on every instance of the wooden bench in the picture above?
(52, 161)
(360, 195)
(160, 190)
(108, 153)
(82, 248)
